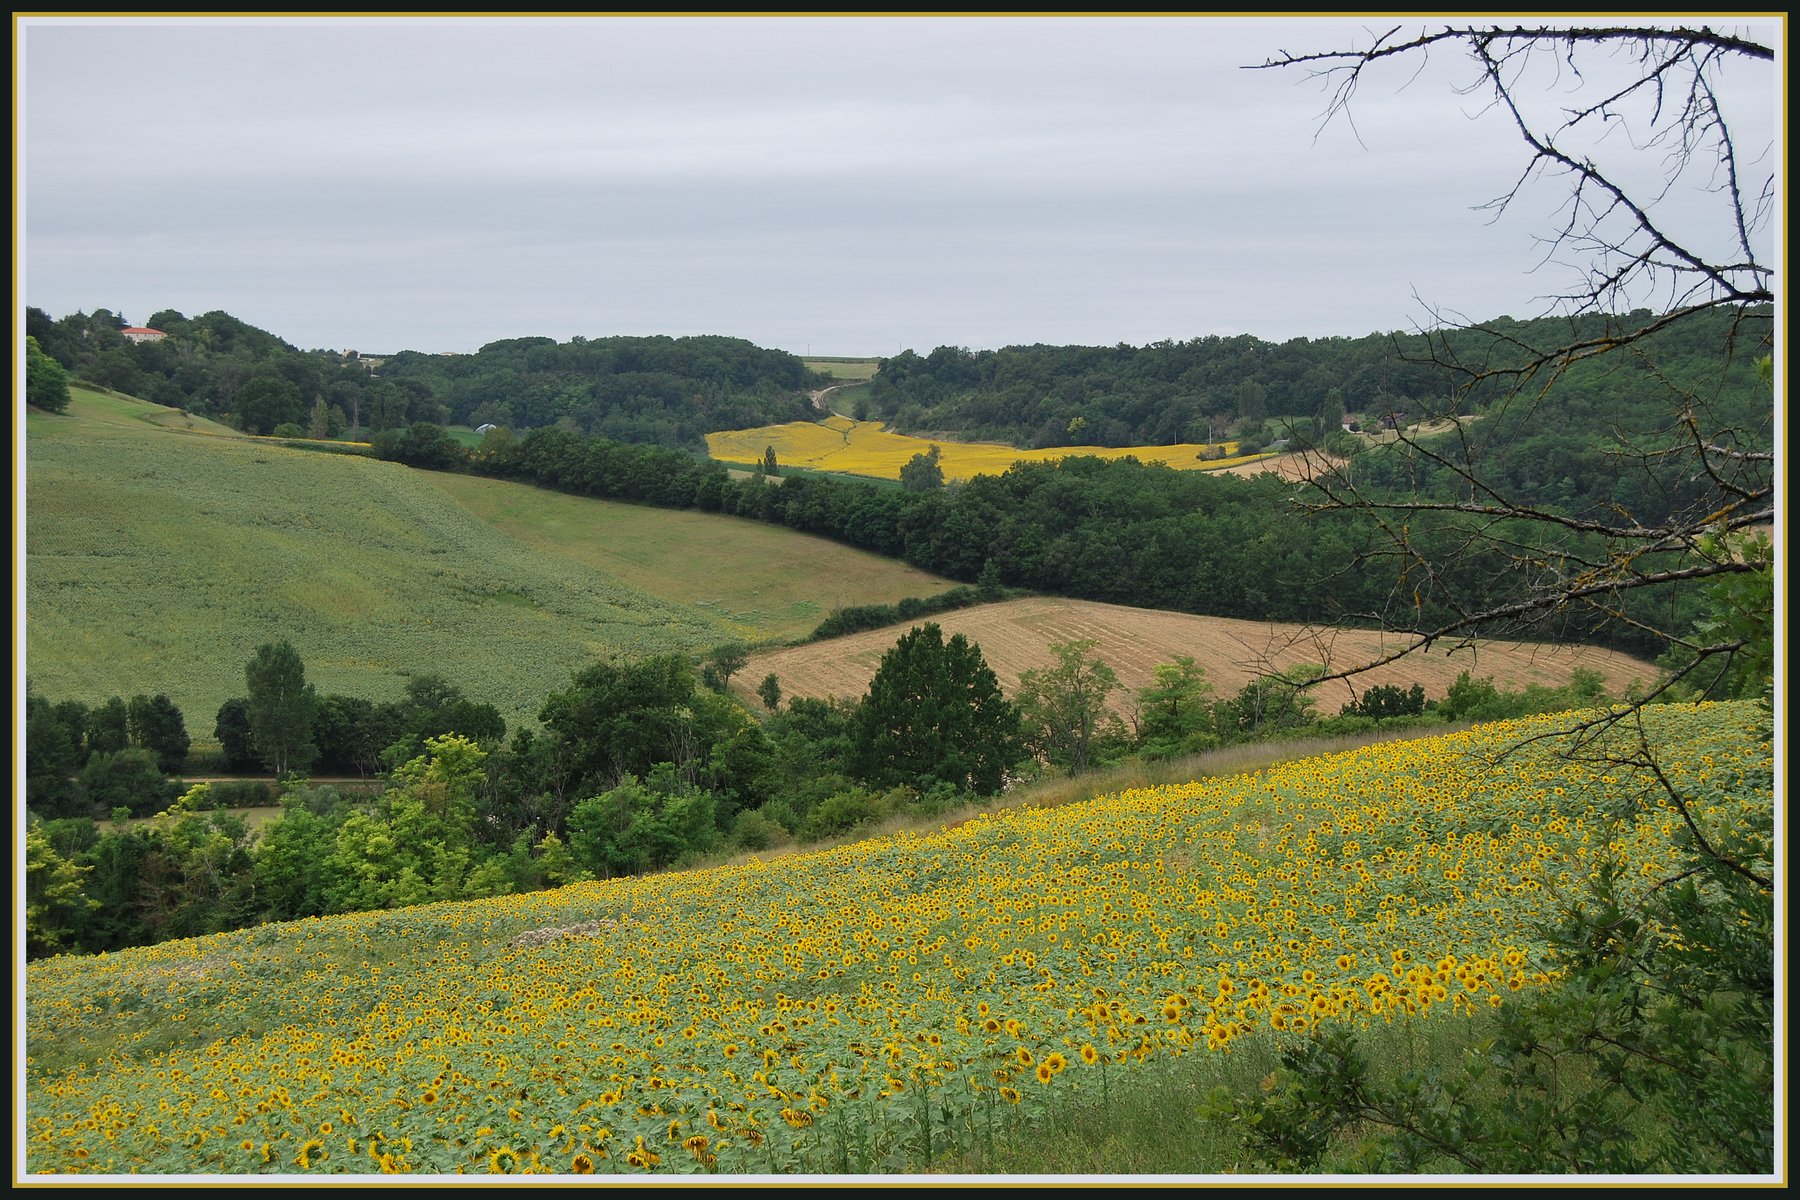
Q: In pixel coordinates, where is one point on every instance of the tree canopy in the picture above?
(934, 710)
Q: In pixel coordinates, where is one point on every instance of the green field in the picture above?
(157, 560)
(771, 581)
(847, 370)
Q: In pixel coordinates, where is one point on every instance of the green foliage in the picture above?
(1386, 700)
(269, 402)
(846, 811)
(108, 727)
(418, 843)
(232, 731)
(128, 779)
(1736, 628)
(727, 660)
(293, 870)
(51, 758)
(1471, 699)
(622, 718)
(423, 445)
(155, 724)
(860, 617)
(634, 828)
(1063, 709)
(922, 473)
(46, 383)
(755, 829)
(54, 901)
(934, 712)
(1174, 710)
(281, 708)
(1272, 704)
(769, 692)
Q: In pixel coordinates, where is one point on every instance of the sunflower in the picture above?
(583, 1165)
(1010, 1095)
(309, 1148)
(1044, 1073)
(1089, 1055)
(503, 1161)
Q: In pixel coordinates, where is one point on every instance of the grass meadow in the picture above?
(850, 447)
(845, 370)
(158, 559)
(1029, 990)
(775, 582)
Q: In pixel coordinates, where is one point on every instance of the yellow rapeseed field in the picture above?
(807, 1013)
(867, 448)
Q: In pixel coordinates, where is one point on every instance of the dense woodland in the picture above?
(1208, 388)
(667, 391)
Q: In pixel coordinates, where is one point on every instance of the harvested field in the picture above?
(1016, 636)
(1293, 466)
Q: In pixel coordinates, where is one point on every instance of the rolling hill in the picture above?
(162, 549)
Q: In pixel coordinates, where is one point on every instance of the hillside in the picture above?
(1016, 636)
(158, 559)
(773, 582)
(894, 1005)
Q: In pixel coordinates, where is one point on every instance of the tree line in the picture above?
(1209, 388)
(661, 390)
(1122, 531)
(636, 766)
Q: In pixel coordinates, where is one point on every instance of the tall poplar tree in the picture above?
(282, 706)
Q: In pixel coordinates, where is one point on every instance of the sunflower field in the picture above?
(873, 1006)
(853, 447)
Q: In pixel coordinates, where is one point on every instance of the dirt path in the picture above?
(818, 398)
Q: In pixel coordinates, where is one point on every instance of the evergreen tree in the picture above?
(934, 713)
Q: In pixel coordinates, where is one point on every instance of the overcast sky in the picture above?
(847, 186)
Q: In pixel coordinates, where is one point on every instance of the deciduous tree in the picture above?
(1063, 708)
(281, 708)
(46, 383)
